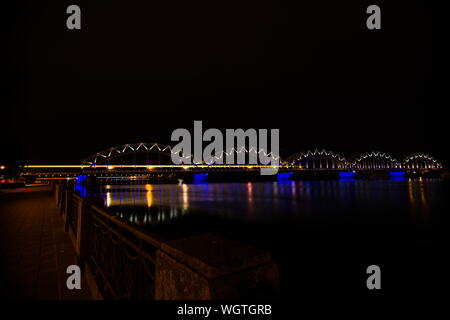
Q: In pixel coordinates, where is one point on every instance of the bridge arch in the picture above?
(420, 161)
(154, 153)
(375, 160)
(317, 160)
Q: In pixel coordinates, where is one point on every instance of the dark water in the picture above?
(322, 233)
(322, 201)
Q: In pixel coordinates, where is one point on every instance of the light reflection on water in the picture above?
(153, 204)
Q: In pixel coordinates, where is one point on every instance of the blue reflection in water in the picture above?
(346, 175)
(394, 178)
(284, 176)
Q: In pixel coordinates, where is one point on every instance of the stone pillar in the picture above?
(208, 266)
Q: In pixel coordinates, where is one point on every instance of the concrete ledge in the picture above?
(208, 266)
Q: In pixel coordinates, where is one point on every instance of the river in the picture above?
(323, 233)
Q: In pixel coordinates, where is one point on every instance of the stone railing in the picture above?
(120, 261)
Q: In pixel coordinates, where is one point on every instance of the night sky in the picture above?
(137, 70)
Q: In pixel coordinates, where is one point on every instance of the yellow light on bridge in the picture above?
(110, 167)
(2, 167)
(185, 167)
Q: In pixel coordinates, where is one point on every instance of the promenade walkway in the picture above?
(34, 249)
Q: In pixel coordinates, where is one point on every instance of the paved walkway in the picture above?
(34, 249)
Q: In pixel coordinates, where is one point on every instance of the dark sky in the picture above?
(139, 69)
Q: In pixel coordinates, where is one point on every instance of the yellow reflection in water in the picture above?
(423, 199)
(149, 194)
(411, 197)
(185, 196)
(417, 195)
(418, 201)
(251, 203)
(108, 198)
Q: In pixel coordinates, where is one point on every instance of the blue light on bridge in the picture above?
(200, 177)
(80, 185)
(346, 175)
(82, 179)
(284, 176)
(397, 173)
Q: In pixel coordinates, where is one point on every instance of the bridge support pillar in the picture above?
(208, 266)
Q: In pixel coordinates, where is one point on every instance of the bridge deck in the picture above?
(34, 249)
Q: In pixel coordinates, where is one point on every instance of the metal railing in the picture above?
(120, 258)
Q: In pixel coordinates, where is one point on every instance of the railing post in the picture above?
(56, 187)
(67, 208)
(83, 212)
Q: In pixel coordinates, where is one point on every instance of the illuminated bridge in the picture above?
(154, 159)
